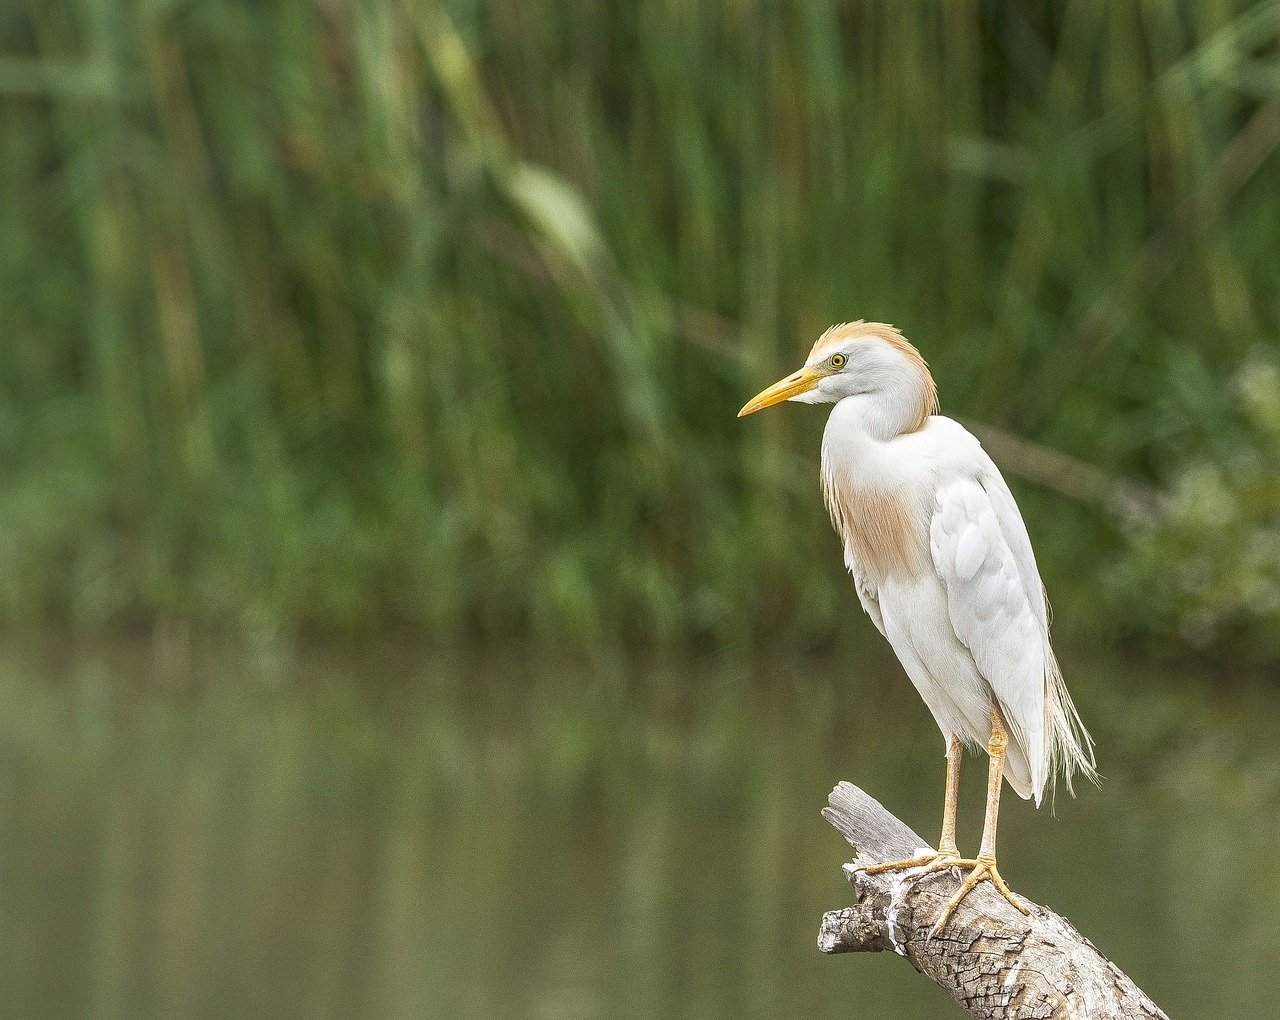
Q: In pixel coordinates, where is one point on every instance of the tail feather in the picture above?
(1068, 746)
(1017, 769)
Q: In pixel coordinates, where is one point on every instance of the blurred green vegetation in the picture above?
(356, 316)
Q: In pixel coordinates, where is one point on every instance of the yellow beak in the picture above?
(784, 389)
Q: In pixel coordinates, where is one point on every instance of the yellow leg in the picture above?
(947, 844)
(984, 866)
(947, 851)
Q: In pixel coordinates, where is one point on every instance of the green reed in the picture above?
(353, 316)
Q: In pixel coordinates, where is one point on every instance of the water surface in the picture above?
(202, 834)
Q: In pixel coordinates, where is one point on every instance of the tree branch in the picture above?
(996, 963)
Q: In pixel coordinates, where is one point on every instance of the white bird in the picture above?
(943, 566)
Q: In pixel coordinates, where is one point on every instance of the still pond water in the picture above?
(191, 834)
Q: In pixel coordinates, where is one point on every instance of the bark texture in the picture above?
(996, 963)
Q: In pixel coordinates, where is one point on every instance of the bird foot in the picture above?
(928, 861)
(980, 869)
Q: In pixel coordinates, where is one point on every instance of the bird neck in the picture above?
(884, 414)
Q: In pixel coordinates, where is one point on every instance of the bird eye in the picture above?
(837, 361)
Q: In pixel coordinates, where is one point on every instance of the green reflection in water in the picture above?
(381, 836)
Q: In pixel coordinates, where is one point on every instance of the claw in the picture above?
(980, 868)
(932, 859)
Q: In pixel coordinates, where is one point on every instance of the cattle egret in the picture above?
(943, 566)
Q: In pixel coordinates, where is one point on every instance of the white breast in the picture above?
(926, 559)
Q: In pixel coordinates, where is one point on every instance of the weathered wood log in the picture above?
(995, 962)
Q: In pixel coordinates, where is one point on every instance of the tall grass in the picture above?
(348, 316)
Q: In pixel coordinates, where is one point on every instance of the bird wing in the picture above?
(867, 595)
(983, 557)
(1014, 531)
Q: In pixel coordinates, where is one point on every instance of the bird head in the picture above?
(851, 359)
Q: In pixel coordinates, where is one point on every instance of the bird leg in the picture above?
(984, 866)
(947, 852)
(947, 844)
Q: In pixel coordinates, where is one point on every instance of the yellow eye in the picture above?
(837, 361)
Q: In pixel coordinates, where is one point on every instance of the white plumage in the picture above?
(942, 562)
